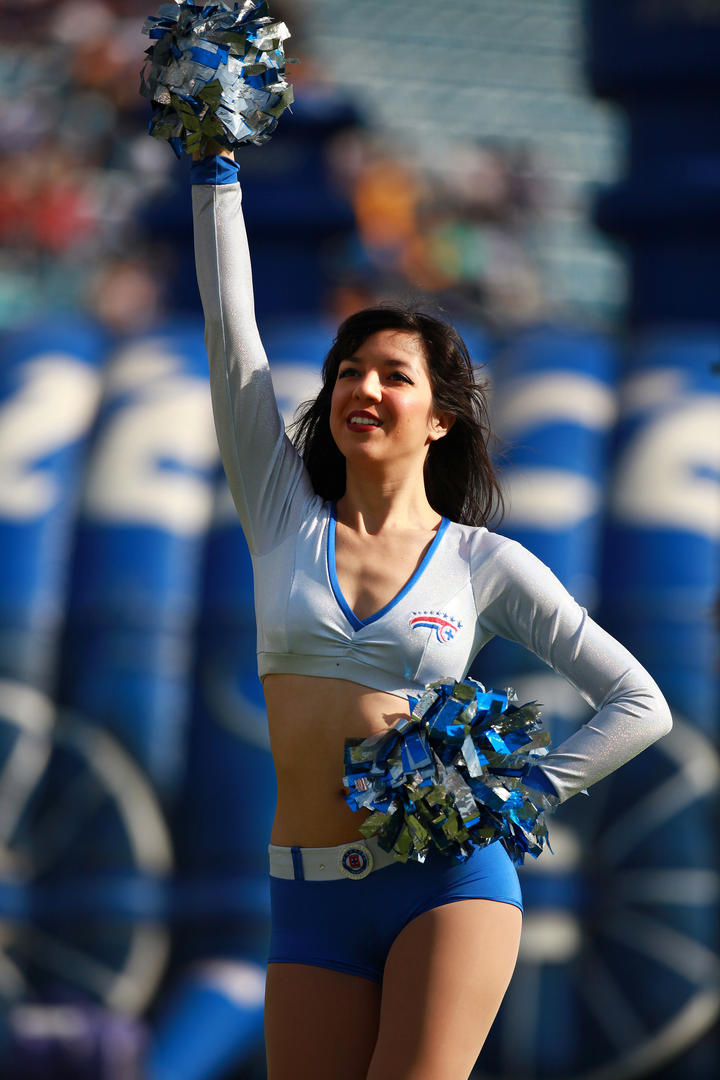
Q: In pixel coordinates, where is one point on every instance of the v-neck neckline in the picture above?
(355, 622)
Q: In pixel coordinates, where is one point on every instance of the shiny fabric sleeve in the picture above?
(266, 476)
(520, 599)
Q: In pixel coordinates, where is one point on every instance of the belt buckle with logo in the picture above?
(355, 860)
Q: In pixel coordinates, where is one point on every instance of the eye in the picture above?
(349, 370)
(398, 376)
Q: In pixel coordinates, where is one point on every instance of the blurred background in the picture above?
(544, 173)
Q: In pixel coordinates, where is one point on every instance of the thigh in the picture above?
(319, 1023)
(444, 979)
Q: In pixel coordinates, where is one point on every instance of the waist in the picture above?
(353, 860)
(314, 820)
(309, 720)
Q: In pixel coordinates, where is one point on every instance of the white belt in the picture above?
(354, 860)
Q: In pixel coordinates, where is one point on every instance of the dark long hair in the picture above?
(460, 481)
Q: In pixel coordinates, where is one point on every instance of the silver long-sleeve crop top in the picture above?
(471, 584)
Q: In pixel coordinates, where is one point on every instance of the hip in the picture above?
(347, 919)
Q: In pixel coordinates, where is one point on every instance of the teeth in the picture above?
(364, 420)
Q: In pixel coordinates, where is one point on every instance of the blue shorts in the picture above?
(350, 925)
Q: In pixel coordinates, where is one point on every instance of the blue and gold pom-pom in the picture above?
(215, 74)
(452, 775)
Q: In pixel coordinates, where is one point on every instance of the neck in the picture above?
(374, 502)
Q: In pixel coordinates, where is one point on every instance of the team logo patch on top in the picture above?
(356, 860)
(444, 625)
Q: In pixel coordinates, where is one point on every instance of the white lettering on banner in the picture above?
(669, 474)
(53, 408)
(293, 384)
(552, 499)
(153, 462)
(140, 364)
(538, 400)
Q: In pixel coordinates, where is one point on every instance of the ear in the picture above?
(440, 424)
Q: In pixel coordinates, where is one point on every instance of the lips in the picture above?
(362, 421)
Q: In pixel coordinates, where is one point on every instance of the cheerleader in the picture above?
(376, 575)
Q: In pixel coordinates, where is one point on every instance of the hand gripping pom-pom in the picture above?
(452, 776)
(215, 74)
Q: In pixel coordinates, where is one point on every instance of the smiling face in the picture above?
(382, 403)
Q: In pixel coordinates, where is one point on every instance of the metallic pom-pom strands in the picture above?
(216, 72)
(451, 775)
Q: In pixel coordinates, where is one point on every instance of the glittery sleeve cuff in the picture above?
(215, 170)
(536, 778)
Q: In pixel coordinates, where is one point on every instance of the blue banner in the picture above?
(145, 509)
(662, 557)
(49, 391)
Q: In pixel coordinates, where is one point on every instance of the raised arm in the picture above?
(521, 599)
(266, 476)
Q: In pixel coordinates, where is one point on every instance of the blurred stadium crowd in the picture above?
(76, 170)
(78, 179)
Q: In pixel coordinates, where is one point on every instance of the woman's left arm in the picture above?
(523, 601)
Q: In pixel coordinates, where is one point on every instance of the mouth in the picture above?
(362, 421)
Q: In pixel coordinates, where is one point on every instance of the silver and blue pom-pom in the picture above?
(452, 775)
(215, 74)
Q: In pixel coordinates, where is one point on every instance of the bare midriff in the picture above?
(310, 719)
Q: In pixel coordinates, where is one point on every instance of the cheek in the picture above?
(336, 400)
(421, 413)
(337, 405)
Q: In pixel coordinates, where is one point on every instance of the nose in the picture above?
(369, 386)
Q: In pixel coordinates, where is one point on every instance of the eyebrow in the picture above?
(386, 360)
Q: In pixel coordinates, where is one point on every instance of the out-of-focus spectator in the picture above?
(77, 166)
(126, 294)
(458, 230)
(79, 173)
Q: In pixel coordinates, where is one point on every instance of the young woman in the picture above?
(380, 969)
